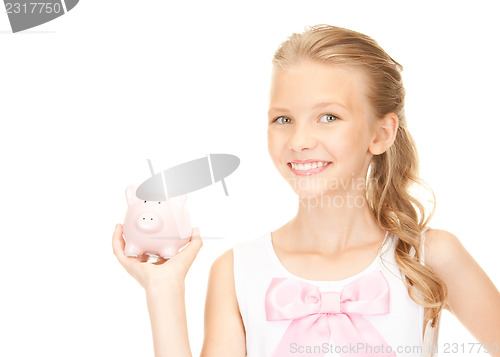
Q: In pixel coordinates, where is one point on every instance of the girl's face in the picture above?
(320, 112)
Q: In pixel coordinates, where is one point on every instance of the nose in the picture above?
(302, 138)
(149, 222)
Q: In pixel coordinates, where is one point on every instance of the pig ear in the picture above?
(130, 193)
(179, 201)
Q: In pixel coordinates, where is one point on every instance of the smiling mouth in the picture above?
(308, 169)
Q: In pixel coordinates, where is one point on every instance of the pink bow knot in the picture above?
(330, 302)
(318, 315)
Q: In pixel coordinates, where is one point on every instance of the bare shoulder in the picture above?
(443, 252)
(224, 329)
(222, 274)
(223, 264)
(442, 248)
(466, 283)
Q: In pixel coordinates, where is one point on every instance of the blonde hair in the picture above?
(390, 174)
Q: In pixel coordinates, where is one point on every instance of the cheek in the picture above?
(344, 143)
(273, 144)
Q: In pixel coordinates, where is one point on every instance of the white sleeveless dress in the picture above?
(256, 263)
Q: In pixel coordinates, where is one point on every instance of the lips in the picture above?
(308, 172)
(307, 161)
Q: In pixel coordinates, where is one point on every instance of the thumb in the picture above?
(195, 243)
(190, 251)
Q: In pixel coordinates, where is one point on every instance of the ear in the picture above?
(130, 193)
(386, 129)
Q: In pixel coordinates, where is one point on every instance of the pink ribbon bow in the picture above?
(316, 315)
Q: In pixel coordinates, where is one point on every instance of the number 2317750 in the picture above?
(470, 347)
(33, 8)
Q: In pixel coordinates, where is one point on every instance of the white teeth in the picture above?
(308, 166)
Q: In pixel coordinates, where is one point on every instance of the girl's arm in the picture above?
(224, 330)
(164, 286)
(472, 296)
(167, 313)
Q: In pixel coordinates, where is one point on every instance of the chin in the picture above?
(309, 185)
(310, 192)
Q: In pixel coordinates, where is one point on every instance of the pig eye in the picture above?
(144, 201)
(159, 202)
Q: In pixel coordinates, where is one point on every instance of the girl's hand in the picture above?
(163, 272)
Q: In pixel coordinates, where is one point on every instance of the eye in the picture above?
(330, 117)
(144, 201)
(159, 202)
(281, 117)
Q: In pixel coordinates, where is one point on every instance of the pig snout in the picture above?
(149, 222)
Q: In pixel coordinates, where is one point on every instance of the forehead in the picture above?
(307, 83)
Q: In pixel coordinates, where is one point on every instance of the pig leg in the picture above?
(132, 250)
(167, 253)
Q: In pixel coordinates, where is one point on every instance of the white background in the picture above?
(88, 97)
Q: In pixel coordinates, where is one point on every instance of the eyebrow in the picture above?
(316, 106)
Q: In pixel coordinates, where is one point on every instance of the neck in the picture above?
(329, 224)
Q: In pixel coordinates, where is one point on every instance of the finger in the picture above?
(119, 245)
(196, 242)
(189, 253)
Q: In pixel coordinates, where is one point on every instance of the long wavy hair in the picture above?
(391, 174)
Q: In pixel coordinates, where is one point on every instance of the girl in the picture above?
(347, 275)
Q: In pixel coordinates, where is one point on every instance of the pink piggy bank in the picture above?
(155, 228)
